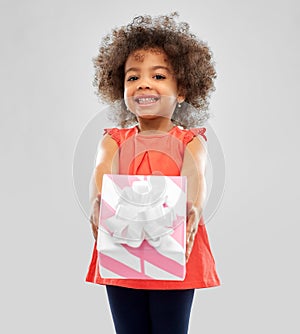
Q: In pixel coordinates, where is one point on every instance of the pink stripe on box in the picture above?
(178, 234)
(106, 210)
(179, 181)
(120, 268)
(147, 253)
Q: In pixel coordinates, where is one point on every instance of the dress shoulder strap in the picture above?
(187, 135)
(120, 135)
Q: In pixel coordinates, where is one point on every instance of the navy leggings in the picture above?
(136, 311)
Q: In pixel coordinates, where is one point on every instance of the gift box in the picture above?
(142, 227)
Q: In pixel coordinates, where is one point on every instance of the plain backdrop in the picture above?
(47, 98)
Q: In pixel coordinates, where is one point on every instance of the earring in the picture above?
(179, 105)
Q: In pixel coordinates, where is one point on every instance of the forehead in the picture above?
(152, 55)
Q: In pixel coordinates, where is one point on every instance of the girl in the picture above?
(160, 76)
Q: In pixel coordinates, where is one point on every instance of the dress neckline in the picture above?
(155, 132)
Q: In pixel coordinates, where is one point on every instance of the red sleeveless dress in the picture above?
(161, 153)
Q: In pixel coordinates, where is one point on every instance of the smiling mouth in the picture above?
(145, 100)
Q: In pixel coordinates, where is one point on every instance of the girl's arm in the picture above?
(193, 167)
(107, 162)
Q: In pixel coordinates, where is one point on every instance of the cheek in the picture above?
(170, 88)
(128, 98)
(127, 91)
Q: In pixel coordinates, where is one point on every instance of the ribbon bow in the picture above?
(142, 214)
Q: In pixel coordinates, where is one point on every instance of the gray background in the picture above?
(47, 98)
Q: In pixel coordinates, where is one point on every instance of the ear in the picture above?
(180, 98)
(180, 95)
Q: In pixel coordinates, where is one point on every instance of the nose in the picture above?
(143, 84)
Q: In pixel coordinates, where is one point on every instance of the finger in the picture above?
(95, 232)
(96, 210)
(189, 246)
(191, 229)
(94, 227)
(190, 240)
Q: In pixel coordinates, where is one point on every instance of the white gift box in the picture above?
(142, 227)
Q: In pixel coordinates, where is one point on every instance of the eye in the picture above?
(132, 78)
(159, 77)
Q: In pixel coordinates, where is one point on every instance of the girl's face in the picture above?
(150, 85)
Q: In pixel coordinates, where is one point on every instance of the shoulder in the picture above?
(107, 144)
(196, 146)
(195, 154)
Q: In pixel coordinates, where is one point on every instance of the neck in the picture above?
(162, 124)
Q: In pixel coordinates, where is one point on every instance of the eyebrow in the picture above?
(157, 67)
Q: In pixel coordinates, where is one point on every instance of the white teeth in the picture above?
(146, 100)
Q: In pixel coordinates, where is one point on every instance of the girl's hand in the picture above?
(191, 230)
(94, 218)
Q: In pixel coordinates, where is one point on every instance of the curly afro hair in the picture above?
(190, 58)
